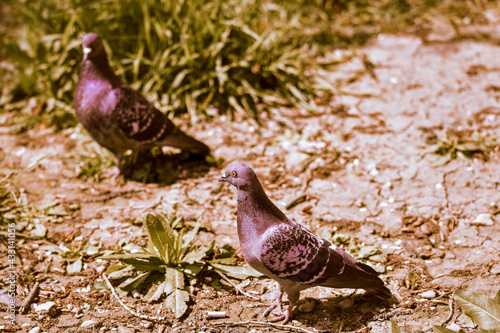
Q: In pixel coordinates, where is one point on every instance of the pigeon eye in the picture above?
(234, 174)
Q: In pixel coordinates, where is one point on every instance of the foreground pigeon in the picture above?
(289, 253)
(118, 117)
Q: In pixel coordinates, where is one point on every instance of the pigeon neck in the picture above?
(256, 200)
(98, 68)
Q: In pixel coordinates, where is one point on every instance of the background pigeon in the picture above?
(289, 253)
(118, 117)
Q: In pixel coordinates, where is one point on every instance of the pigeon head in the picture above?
(239, 175)
(92, 47)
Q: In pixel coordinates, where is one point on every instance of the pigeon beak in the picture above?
(86, 51)
(223, 178)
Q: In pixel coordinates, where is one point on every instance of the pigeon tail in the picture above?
(382, 292)
(181, 140)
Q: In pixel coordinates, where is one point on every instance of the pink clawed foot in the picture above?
(285, 316)
(113, 173)
(272, 306)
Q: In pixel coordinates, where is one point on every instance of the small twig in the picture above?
(129, 310)
(236, 287)
(296, 201)
(106, 197)
(341, 326)
(452, 310)
(29, 299)
(262, 324)
(216, 314)
(47, 270)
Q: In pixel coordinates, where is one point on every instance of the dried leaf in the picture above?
(367, 251)
(101, 285)
(75, 267)
(484, 311)
(441, 329)
(57, 210)
(237, 272)
(497, 297)
(38, 231)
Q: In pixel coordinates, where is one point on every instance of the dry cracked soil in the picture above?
(359, 168)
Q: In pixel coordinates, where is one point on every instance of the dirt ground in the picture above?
(380, 190)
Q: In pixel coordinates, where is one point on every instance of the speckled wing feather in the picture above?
(292, 252)
(138, 119)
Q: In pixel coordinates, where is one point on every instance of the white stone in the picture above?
(87, 323)
(123, 329)
(294, 159)
(429, 294)
(483, 219)
(49, 307)
(35, 329)
(454, 327)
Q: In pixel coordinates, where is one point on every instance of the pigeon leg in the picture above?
(293, 297)
(116, 171)
(113, 173)
(276, 303)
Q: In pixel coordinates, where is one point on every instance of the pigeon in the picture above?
(287, 252)
(118, 117)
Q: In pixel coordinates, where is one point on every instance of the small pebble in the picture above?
(454, 327)
(123, 329)
(449, 255)
(147, 324)
(306, 307)
(35, 329)
(426, 229)
(49, 307)
(87, 323)
(483, 219)
(346, 304)
(428, 294)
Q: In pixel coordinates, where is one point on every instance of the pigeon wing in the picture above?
(293, 253)
(139, 119)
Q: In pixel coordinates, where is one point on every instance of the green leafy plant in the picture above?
(170, 259)
(73, 256)
(483, 310)
(15, 208)
(395, 326)
(233, 59)
(91, 160)
(463, 144)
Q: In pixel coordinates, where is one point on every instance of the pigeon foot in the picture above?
(285, 316)
(113, 173)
